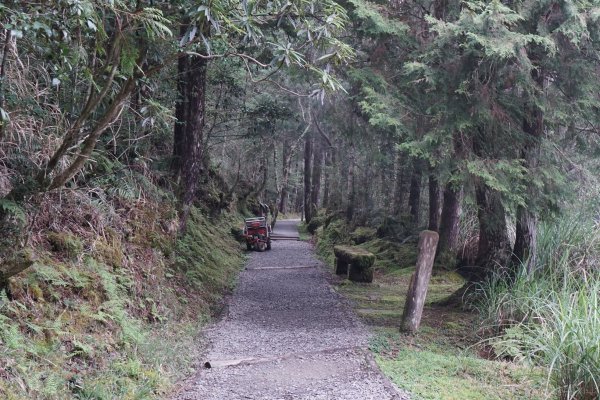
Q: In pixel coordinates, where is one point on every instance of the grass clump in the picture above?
(551, 315)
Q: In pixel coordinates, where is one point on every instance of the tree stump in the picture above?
(419, 282)
(359, 260)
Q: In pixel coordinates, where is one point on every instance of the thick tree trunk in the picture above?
(316, 174)
(450, 219)
(434, 203)
(308, 146)
(414, 197)
(190, 158)
(525, 247)
(494, 246)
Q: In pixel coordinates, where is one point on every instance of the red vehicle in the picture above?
(257, 233)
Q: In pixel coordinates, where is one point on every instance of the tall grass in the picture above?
(551, 317)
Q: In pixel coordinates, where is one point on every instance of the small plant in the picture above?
(63, 242)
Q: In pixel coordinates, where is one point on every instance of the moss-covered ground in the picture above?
(445, 359)
(114, 304)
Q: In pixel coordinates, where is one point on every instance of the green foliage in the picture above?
(67, 243)
(207, 255)
(363, 234)
(373, 20)
(547, 317)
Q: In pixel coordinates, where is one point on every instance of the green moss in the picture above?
(111, 323)
(434, 375)
(315, 222)
(363, 234)
(66, 243)
(355, 255)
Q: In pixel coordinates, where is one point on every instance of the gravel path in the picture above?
(287, 335)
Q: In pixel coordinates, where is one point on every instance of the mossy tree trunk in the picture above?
(189, 130)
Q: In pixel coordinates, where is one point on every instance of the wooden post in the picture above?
(417, 291)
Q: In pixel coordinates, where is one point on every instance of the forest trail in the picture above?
(287, 335)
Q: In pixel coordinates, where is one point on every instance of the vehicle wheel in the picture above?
(261, 246)
(248, 246)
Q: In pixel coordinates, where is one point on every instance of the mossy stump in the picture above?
(359, 260)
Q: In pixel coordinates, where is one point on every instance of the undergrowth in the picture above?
(445, 359)
(114, 303)
(551, 316)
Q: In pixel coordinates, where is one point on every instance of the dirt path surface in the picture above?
(287, 335)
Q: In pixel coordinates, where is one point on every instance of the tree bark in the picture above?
(494, 246)
(350, 186)
(419, 283)
(308, 146)
(316, 174)
(189, 130)
(285, 176)
(399, 181)
(434, 203)
(450, 219)
(327, 178)
(525, 248)
(3, 60)
(414, 197)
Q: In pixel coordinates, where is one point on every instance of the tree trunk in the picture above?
(434, 203)
(189, 129)
(3, 61)
(450, 219)
(307, 176)
(525, 248)
(327, 178)
(414, 197)
(494, 245)
(316, 174)
(419, 283)
(398, 202)
(285, 177)
(350, 187)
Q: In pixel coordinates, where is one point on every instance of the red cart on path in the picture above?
(257, 233)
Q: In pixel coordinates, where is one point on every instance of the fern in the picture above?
(13, 209)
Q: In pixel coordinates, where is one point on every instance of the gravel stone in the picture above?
(288, 335)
